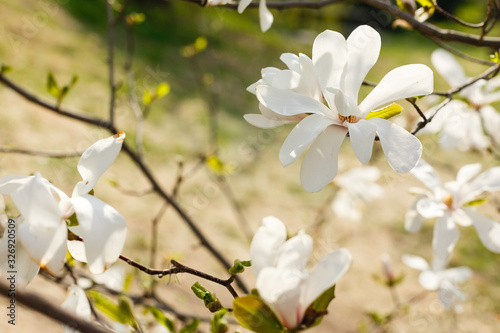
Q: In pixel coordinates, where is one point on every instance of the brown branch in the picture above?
(461, 54)
(459, 20)
(39, 153)
(111, 59)
(49, 309)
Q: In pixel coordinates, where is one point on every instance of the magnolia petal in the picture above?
(295, 252)
(487, 229)
(488, 181)
(345, 105)
(326, 273)
(461, 218)
(77, 250)
(258, 120)
(113, 278)
(402, 149)
(450, 295)
(320, 164)
(329, 55)
(309, 84)
(37, 205)
(291, 61)
(426, 174)
(266, 243)
(25, 267)
(345, 206)
(363, 48)
(289, 103)
(362, 135)
(430, 208)
(10, 183)
(76, 302)
(415, 262)
(281, 290)
(413, 219)
(400, 83)
(103, 230)
(446, 235)
(467, 172)
(448, 67)
(96, 160)
(429, 280)
(242, 5)
(301, 137)
(45, 245)
(456, 274)
(491, 122)
(265, 16)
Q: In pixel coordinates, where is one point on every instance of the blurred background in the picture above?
(208, 56)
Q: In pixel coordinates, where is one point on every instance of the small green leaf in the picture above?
(135, 18)
(495, 57)
(318, 309)
(147, 98)
(5, 69)
(162, 89)
(476, 202)
(191, 327)
(253, 314)
(110, 309)
(217, 322)
(52, 86)
(387, 112)
(127, 281)
(239, 266)
(125, 307)
(160, 318)
(211, 301)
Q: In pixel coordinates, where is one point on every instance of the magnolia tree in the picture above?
(75, 241)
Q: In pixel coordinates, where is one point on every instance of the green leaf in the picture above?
(106, 306)
(217, 323)
(5, 69)
(72, 221)
(162, 89)
(211, 301)
(476, 202)
(495, 57)
(318, 309)
(52, 86)
(200, 44)
(191, 327)
(239, 266)
(125, 307)
(147, 98)
(387, 112)
(253, 314)
(160, 318)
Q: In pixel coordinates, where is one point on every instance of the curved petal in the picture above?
(242, 5)
(309, 84)
(281, 290)
(487, 229)
(289, 103)
(345, 206)
(362, 135)
(77, 250)
(430, 208)
(76, 302)
(413, 220)
(301, 137)
(426, 174)
(456, 274)
(295, 252)
(402, 149)
(266, 243)
(10, 183)
(363, 48)
(448, 67)
(320, 164)
(415, 262)
(467, 172)
(487, 181)
(260, 121)
(429, 280)
(329, 55)
(265, 16)
(491, 122)
(26, 268)
(326, 273)
(446, 235)
(400, 83)
(291, 61)
(103, 230)
(96, 160)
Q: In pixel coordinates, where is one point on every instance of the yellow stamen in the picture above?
(448, 201)
(349, 119)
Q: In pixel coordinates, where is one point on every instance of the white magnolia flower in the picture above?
(340, 67)
(357, 188)
(451, 204)
(44, 209)
(113, 278)
(266, 17)
(280, 266)
(441, 279)
(462, 123)
(76, 302)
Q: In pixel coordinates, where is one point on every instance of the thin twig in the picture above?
(40, 153)
(459, 20)
(111, 59)
(418, 109)
(461, 54)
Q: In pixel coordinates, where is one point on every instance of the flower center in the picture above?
(448, 201)
(349, 119)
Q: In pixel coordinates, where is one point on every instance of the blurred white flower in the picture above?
(443, 280)
(453, 203)
(44, 209)
(280, 266)
(265, 16)
(462, 123)
(113, 278)
(340, 67)
(76, 302)
(357, 188)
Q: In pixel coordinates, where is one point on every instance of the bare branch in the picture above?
(40, 153)
(111, 59)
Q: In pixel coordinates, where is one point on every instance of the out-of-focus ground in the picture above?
(70, 39)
